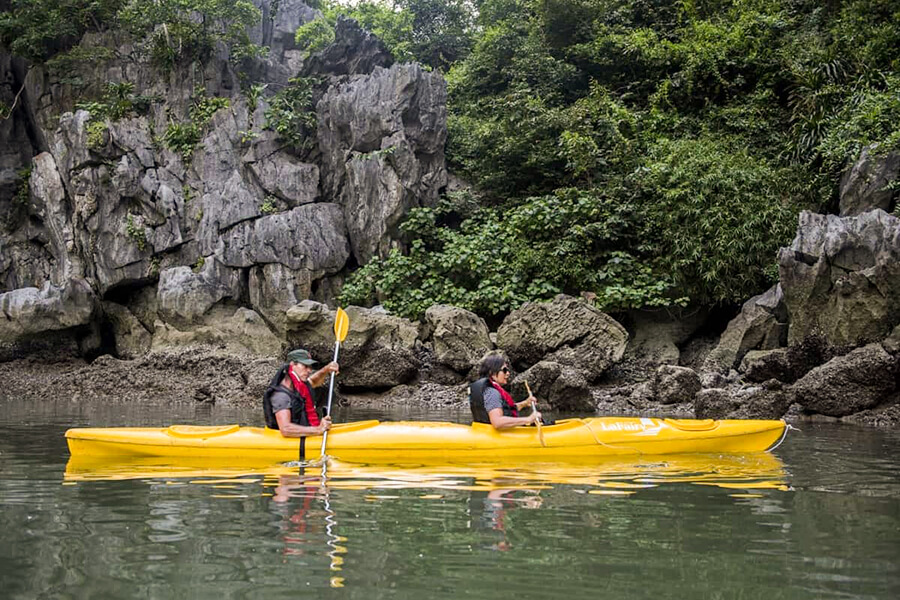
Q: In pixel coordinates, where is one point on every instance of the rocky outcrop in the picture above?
(673, 384)
(864, 186)
(750, 402)
(242, 221)
(563, 387)
(841, 277)
(459, 338)
(382, 139)
(860, 380)
(379, 351)
(31, 311)
(354, 51)
(658, 335)
(566, 331)
(761, 324)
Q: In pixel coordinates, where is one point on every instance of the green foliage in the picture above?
(436, 33)
(198, 264)
(182, 138)
(177, 30)
(136, 232)
(291, 113)
(23, 191)
(38, 29)
(118, 102)
(314, 35)
(716, 215)
(65, 64)
(269, 205)
(568, 241)
(96, 134)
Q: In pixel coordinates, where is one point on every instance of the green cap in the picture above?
(301, 356)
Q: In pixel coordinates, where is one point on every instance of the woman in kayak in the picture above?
(288, 402)
(490, 403)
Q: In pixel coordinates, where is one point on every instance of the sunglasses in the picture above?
(505, 370)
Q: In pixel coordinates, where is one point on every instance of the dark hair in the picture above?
(492, 364)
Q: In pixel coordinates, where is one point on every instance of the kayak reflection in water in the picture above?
(491, 403)
(288, 402)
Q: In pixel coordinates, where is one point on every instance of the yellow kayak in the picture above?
(390, 442)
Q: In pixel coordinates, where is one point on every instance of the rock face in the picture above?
(673, 384)
(458, 337)
(566, 331)
(761, 324)
(563, 387)
(379, 351)
(864, 185)
(382, 139)
(242, 221)
(31, 311)
(847, 384)
(659, 334)
(841, 277)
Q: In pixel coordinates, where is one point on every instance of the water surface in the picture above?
(817, 518)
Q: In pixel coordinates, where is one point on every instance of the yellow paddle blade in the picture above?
(341, 325)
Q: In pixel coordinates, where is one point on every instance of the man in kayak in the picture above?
(288, 402)
(490, 403)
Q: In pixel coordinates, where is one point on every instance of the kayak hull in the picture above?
(388, 442)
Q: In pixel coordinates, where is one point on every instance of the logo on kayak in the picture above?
(639, 427)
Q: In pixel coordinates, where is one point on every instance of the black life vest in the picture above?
(298, 402)
(476, 402)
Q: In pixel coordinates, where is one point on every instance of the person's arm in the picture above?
(318, 378)
(289, 429)
(501, 422)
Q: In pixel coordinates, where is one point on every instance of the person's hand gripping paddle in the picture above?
(534, 408)
(341, 327)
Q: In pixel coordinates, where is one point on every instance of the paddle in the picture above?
(341, 326)
(538, 422)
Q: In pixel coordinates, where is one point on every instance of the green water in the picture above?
(820, 519)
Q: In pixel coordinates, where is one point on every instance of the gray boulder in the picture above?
(847, 384)
(32, 311)
(864, 186)
(379, 351)
(762, 365)
(841, 277)
(239, 331)
(753, 402)
(566, 331)
(459, 338)
(673, 384)
(761, 324)
(562, 387)
(184, 297)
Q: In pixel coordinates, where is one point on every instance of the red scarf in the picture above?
(506, 397)
(302, 389)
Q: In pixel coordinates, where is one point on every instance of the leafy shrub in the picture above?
(314, 35)
(716, 215)
(495, 261)
(291, 113)
(184, 137)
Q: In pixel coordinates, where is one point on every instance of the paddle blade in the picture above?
(341, 325)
